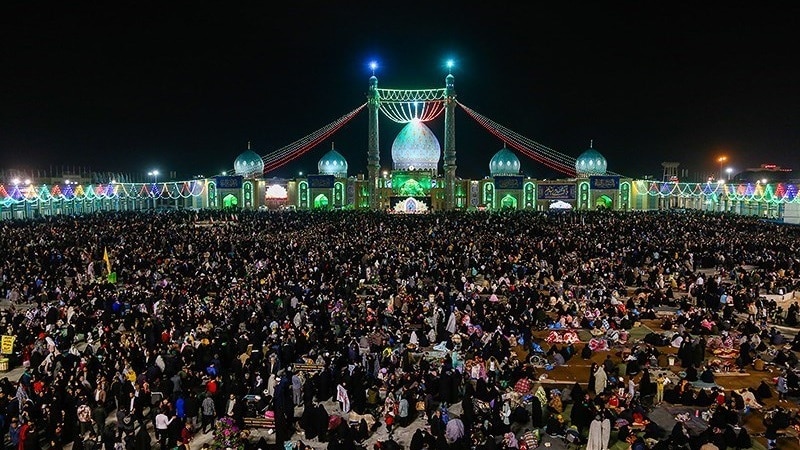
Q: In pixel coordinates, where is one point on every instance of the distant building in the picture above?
(766, 173)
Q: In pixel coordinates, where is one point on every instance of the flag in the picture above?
(108, 261)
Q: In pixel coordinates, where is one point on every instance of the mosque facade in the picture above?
(415, 183)
(420, 178)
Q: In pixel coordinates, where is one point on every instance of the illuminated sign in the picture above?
(605, 182)
(556, 192)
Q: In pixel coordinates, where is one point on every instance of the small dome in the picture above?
(249, 163)
(416, 148)
(333, 163)
(504, 162)
(590, 162)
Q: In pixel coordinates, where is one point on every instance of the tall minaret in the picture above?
(450, 143)
(373, 150)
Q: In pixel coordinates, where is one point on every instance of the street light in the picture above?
(15, 181)
(721, 160)
(729, 170)
(154, 174)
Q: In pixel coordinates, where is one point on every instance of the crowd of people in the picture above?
(397, 318)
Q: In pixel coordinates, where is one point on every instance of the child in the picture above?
(660, 382)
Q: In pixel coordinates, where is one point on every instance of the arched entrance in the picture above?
(508, 202)
(604, 202)
(229, 201)
(321, 201)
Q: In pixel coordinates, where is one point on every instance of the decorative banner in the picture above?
(420, 203)
(321, 181)
(604, 182)
(229, 182)
(556, 192)
(7, 345)
(508, 182)
(351, 192)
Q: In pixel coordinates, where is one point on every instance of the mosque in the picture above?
(415, 185)
(415, 182)
(422, 177)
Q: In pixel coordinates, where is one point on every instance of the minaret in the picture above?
(373, 150)
(670, 170)
(450, 143)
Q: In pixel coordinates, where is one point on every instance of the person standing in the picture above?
(186, 436)
(661, 381)
(99, 416)
(343, 397)
(297, 389)
(403, 413)
(781, 387)
(13, 433)
(232, 406)
(209, 412)
(600, 380)
(595, 439)
(162, 423)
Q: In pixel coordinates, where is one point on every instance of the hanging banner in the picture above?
(321, 181)
(556, 192)
(7, 344)
(508, 182)
(229, 182)
(605, 182)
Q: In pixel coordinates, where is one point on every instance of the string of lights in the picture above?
(411, 95)
(405, 112)
(172, 190)
(299, 147)
(557, 164)
(758, 192)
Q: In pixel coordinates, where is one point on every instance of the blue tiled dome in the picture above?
(249, 163)
(590, 162)
(416, 148)
(504, 162)
(333, 163)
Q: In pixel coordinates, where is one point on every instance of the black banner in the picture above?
(321, 181)
(508, 182)
(229, 182)
(604, 182)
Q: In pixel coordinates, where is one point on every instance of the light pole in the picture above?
(154, 174)
(721, 160)
(729, 170)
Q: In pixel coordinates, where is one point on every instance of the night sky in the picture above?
(183, 87)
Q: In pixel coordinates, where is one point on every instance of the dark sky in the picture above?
(185, 85)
